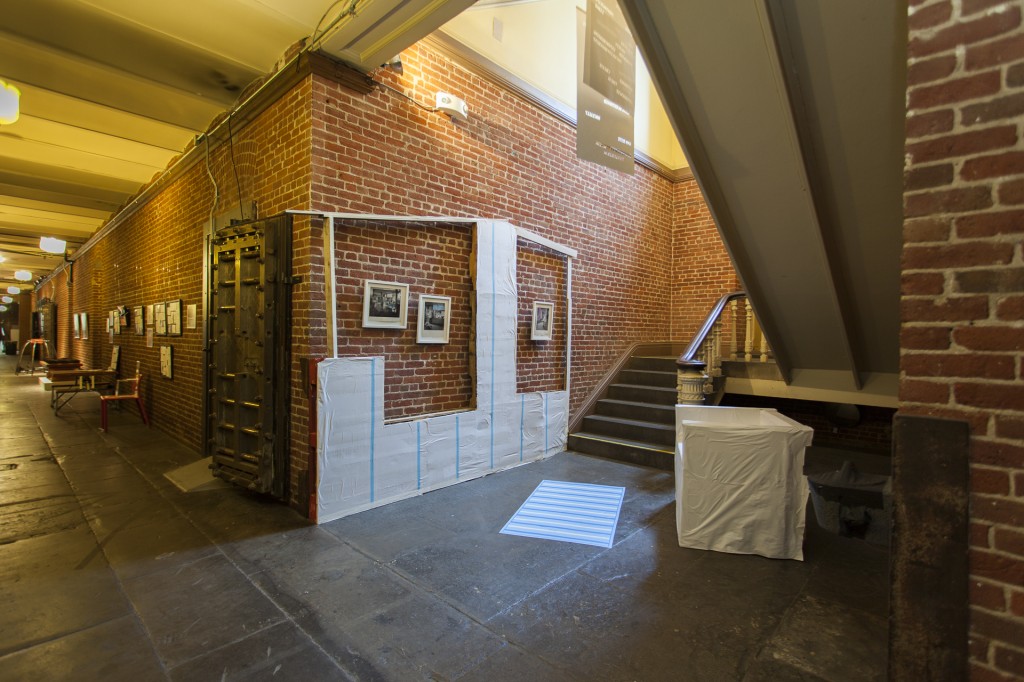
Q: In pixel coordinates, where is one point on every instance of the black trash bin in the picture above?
(853, 504)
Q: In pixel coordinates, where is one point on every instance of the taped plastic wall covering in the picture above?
(364, 463)
(740, 486)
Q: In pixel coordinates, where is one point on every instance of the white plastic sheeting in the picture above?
(740, 486)
(363, 462)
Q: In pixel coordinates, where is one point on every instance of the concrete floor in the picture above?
(109, 572)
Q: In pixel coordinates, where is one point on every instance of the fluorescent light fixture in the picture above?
(9, 103)
(23, 275)
(7, 299)
(13, 289)
(52, 245)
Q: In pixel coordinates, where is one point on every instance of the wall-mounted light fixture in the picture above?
(13, 290)
(53, 245)
(10, 106)
(23, 275)
(453, 106)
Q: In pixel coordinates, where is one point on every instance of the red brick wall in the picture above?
(431, 258)
(380, 153)
(156, 255)
(962, 339)
(703, 270)
(540, 276)
(325, 147)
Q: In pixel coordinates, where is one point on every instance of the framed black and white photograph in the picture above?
(385, 304)
(173, 315)
(160, 319)
(543, 320)
(140, 320)
(433, 317)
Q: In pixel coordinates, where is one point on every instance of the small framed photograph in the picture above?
(160, 319)
(166, 364)
(433, 318)
(543, 320)
(173, 315)
(140, 320)
(385, 304)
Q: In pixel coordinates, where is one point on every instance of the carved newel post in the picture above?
(690, 382)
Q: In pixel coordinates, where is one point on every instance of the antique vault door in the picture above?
(247, 375)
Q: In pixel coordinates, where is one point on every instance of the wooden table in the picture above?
(65, 385)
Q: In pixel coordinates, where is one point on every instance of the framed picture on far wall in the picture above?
(385, 304)
(543, 320)
(433, 317)
(85, 325)
(140, 320)
(75, 322)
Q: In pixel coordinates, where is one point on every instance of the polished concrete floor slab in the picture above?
(110, 572)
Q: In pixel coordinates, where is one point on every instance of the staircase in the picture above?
(635, 420)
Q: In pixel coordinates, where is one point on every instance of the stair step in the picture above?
(647, 377)
(632, 429)
(656, 363)
(643, 394)
(622, 450)
(627, 409)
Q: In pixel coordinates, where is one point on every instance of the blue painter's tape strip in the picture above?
(494, 316)
(457, 462)
(373, 419)
(545, 423)
(419, 457)
(522, 423)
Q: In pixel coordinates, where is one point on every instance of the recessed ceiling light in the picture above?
(22, 275)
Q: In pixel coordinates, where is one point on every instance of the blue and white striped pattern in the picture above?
(583, 513)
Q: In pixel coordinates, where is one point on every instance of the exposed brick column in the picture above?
(963, 276)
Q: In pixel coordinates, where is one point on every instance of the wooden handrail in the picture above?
(709, 324)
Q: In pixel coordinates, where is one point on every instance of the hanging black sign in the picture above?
(606, 88)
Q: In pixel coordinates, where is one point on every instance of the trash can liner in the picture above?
(853, 504)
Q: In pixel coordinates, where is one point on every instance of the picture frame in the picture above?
(433, 318)
(166, 362)
(385, 304)
(542, 321)
(85, 325)
(140, 320)
(173, 315)
(76, 323)
(160, 319)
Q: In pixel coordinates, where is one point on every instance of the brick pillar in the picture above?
(962, 337)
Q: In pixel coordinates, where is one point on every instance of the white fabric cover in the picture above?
(740, 486)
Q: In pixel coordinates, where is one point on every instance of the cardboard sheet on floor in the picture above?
(364, 463)
(740, 486)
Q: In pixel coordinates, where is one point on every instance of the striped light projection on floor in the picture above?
(583, 513)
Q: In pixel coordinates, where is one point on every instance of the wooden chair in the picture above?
(124, 389)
